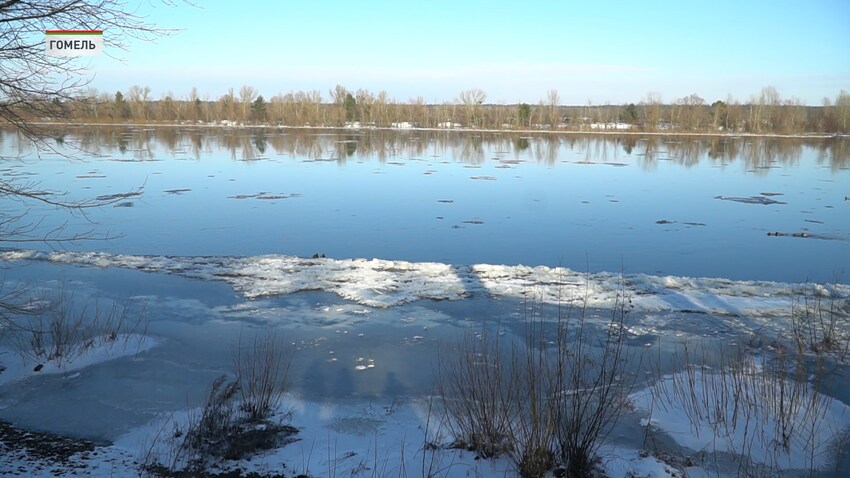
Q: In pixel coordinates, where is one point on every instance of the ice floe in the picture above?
(385, 283)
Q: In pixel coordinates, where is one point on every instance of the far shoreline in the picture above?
(563, 132)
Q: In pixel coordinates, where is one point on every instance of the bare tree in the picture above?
(31, 80)
(138, 97)
(418, 111)
(365, 102)
(381, 104)
(652, 109)
(792, 116)
(688, 112)
(247, 95)
(193, 109)
(553, 101)
(734, 114)
(842, 107)
(314, 99)
(36, 86)
(277, 108)
(227, 105)
(764, 110)
(472, 100)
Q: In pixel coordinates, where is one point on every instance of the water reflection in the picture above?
(705, 209)
(758, 154)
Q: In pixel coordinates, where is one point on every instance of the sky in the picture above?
(515, 51)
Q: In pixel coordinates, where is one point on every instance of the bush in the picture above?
(261, 374)
(235, 419)
(591, 385)
(548, 399)
(476, 394)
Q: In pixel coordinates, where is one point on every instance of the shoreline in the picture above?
(602, 132)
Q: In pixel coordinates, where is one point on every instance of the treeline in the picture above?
(766, 112)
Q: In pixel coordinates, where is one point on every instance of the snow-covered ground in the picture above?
(391, 435)
(382, 439)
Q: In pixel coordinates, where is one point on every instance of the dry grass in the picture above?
(819, 322)
(57, 328)
(749, 405)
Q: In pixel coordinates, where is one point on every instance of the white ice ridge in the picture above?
(384, 283)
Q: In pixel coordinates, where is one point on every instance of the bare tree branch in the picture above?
(35, 87)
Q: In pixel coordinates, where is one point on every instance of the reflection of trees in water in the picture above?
(260, 142)
(170, 138)
(602, 151)
(546, 149)
(759, 154)
(140, 143)
(685, 151)
(628, 143)
(14, 142)
(241, 146)
(471, 150)
(521, 144)
(836, 153)
(99, 141)
(298, 145)
(649, 151)
(723, 150)
(199, 143)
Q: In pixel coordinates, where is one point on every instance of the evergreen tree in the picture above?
(350, 105)
(120, 108)
(258, 109)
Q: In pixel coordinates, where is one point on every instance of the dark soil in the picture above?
(41, 445)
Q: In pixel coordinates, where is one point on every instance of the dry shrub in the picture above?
(549, 398)
(261, 374)
(235, 420)
(762, 409)
(819, 322)
(57, 328)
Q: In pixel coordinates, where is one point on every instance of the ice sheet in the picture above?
(813, 423)
(385, 283)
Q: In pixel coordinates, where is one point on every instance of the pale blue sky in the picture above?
(513, 50)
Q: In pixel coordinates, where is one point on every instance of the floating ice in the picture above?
(385, 283)
(750, 200)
